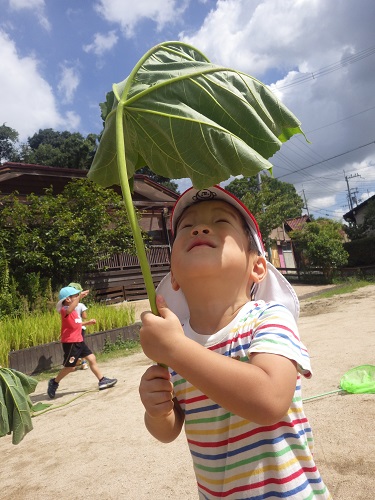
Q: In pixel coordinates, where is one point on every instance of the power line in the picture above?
(330, 68)
(341, 120)
(327, 159)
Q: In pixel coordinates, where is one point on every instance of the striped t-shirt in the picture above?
(233, 457)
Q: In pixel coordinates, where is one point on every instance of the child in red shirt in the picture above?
(72, 340)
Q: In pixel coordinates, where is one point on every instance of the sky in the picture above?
(60, 58)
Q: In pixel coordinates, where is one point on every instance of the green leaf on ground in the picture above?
(15, 404)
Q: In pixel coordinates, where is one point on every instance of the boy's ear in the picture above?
(175, 285)
(259, 270)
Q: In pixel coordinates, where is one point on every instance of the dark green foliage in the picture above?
(321, 245)
(59, 149)
(52, 240)
(5, 293)
(8, 143)
(271, 204)
(361, 252)
(363, 230)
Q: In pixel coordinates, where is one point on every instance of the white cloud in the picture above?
(366, 196)
(128, 13)
(102, 43)
(263, 34)
(35, 6)
(69, 82)
(71, 121)
(27, 102)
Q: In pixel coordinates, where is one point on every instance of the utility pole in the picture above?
(349, 191)
(306, 207)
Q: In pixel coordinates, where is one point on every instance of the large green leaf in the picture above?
(183, 116)
(15, 404)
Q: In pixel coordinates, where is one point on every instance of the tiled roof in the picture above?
(297, 223)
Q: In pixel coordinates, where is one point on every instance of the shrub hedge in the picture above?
(361, 252)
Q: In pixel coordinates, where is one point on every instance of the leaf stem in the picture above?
(125, 188)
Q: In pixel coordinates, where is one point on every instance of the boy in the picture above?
(72, 341)
(227, 330)
(81, 310)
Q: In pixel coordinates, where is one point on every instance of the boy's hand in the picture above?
(84, 293)
(156, 392)
(160, 335)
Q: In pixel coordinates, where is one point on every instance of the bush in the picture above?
(361, 252)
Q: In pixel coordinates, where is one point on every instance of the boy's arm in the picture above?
(163, 417)
(75, 301)
(73, 304)
(260, 391)
(89, 322)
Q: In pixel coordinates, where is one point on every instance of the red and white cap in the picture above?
(274, 286)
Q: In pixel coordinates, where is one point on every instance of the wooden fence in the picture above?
(120, 277)
(316, 275)
(306, 275)
(158, 254)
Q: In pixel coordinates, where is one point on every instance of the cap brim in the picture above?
(273, 288)
(175, 300)
(59, 305)
(276, 288)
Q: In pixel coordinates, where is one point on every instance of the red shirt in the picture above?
(71, 326)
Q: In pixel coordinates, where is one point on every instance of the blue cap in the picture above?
(65, 292)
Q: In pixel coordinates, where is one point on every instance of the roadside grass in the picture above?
(34, 329)
(342, 287)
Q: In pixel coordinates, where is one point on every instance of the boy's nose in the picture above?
(201, 229)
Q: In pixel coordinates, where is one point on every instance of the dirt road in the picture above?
(96, 446)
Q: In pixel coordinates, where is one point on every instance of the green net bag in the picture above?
(359, 380)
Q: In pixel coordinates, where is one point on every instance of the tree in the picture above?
(59, 149)
(271, 204)
(369, 220)
(321, 244)
(356, 232)
(62, 237)
(8, 143)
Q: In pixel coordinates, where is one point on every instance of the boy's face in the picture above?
(70, 298)
(210, 238)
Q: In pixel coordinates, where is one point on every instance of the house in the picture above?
(356, 216)
(282, 250)
(119, 277)
(153, 200)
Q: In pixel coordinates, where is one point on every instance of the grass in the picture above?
(348, 286)
(41, 328)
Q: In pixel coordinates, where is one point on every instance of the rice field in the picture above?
(41, 328)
